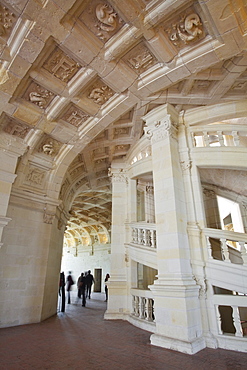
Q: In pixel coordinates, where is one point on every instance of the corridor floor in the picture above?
(81, 339)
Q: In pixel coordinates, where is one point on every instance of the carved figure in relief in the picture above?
(100, 94)
(37, 99)
(187, 30)
(107, 17)
(48, 148)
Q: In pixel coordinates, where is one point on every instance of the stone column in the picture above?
(118, 300)
(176, 307)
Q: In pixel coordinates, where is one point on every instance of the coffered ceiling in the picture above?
(77, 76)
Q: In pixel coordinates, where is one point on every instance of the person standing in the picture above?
(69, 282)
(62, 291)
(89, 283)
(82, 287)
(106, 287)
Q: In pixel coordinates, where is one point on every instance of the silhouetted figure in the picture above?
(106, 287)
(82, 287)
(89, 283)
(62, 291)
(78, 287)
(69, 283)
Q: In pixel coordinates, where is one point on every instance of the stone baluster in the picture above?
(149, 309)
(209, 247)
(142, 307)
(236, 139)
(206, 138)
(236, 321)
(139, 236)
(221, 138)
(145, 237)
(224, 250)
(218, 318)
(243, 252)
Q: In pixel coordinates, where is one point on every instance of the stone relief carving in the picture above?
(39, 96)
(119, 176)
(107, 17)
(209, 193)
(186, 165)
(48, 218)
(75, 116)
(187, 30)
(161, 130)
(49, 147)
(15, 128)
(35, 176)
(140, 58)
(100, 95)
(61, 66)
(7, 19)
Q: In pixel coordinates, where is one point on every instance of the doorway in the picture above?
(97, 280)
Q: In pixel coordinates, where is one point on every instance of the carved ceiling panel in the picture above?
(14, 127)
(74, 116)
(38, 95)
(140, 58)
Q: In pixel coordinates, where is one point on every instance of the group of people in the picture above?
(84, 287)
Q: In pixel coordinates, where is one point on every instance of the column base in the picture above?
(177, 345)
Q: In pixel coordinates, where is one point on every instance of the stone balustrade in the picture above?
(144, 234)
(226, 246)
(142, 305)
(219, 135)
(231, 314)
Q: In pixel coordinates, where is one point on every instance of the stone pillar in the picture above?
(118, 300)
(10, 150)
(176, 307)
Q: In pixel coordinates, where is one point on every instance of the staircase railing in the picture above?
(142, 305)
(143, 234)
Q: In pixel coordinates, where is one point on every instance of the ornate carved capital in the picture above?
(186, 165)
(118, 175)
(48, 218)
(162, 129)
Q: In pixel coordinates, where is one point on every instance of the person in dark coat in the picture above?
(69, 282)
(62, 291)
(89, 283)
(82, 287)
(106, 287)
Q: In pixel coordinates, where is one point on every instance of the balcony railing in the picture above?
(143, 234)
(226, 246)
(142, 305)
(231, 314)
(219, 135)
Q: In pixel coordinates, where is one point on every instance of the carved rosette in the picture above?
(161, 130)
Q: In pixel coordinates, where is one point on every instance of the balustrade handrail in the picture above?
(143, 224)
(225, 129)
(229, 235)
(141, 293)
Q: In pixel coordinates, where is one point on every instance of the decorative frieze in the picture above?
(61, 66)
(187, 30)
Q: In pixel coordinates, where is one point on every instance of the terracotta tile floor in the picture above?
(81, 339)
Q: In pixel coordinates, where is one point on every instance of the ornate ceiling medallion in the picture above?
(101, 19)
(61, 65)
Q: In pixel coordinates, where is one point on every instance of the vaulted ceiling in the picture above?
(77, 76)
